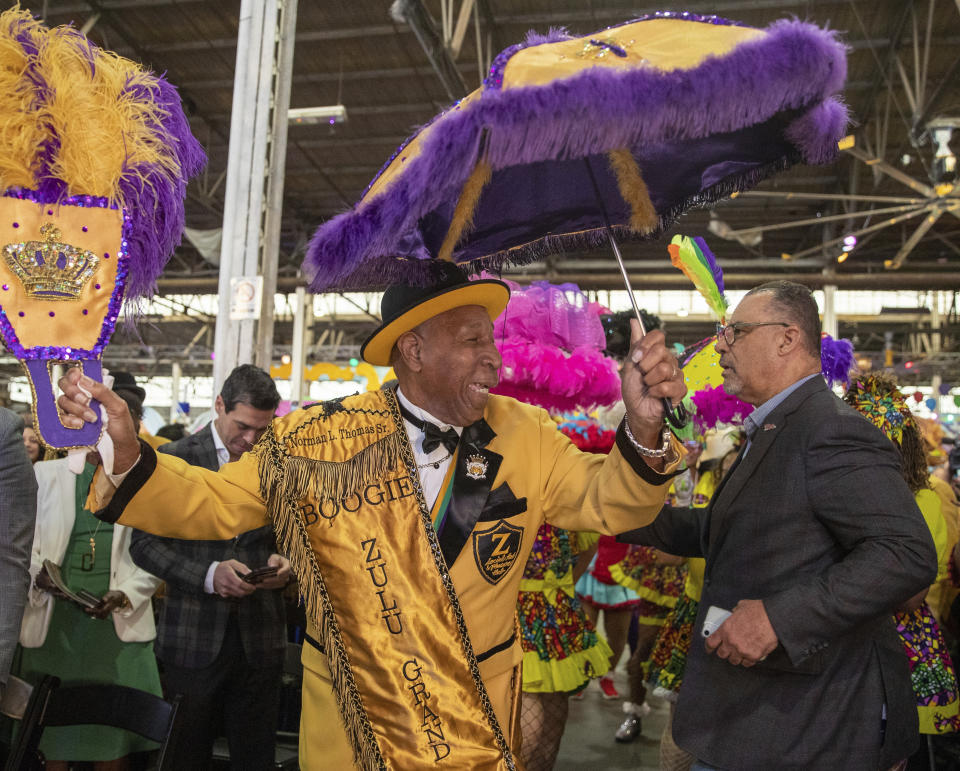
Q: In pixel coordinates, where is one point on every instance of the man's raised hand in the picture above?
(75, 407)
(650, 373)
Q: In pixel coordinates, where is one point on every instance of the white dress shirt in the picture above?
(431, 478)
(223, 456)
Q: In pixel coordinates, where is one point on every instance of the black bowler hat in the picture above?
(124, 381)
(404, 307)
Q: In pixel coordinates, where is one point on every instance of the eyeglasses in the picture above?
(731, 332)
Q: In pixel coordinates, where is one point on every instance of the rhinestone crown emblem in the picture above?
(50, 269)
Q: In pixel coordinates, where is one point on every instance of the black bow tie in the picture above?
(433, 436)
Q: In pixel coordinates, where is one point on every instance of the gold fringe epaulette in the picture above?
(330, 479)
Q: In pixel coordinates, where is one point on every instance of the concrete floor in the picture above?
(588, 739)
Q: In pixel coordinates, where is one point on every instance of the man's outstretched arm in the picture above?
(162, 494)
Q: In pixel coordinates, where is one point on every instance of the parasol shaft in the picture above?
(615, 246)
(675, 417)
(626, 279)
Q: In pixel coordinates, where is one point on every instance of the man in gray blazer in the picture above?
(812, 540)
(18, 511)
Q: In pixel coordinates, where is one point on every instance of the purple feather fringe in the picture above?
(157, 216)
(554, 35)
(836, 359)
(715, 406)
(375, 273)
(795, 66)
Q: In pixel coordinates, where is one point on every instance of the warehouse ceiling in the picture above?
(903, 67)
(393, 76)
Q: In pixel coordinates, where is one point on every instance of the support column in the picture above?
(935, 348)
(275, 181)
(175, 372)
(829, 306)
(298, 353)
(254, 191)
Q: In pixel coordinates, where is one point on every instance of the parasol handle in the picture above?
(676, 417)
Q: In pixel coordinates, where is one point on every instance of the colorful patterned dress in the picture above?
(931, 670)
(561, 649)
(597, 587)
(663, 671)
(658, 586)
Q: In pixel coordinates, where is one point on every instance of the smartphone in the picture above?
(715, 617)
(258, 575)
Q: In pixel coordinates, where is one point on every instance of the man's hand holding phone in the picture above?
(228, 580)
(275, 575)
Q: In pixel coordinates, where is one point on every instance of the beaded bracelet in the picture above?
(646, 451)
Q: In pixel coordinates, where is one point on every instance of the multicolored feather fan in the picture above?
(694, 258)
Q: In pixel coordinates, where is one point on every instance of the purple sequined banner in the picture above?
(65, 353)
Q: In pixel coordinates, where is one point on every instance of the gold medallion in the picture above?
(476, 467)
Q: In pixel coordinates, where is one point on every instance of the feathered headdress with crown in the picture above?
(878, 398)
(880, 401)
(95, 154)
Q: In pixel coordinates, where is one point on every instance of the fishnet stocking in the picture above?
(543, 717)
(672, 758)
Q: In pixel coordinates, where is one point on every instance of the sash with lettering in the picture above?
(342, 488)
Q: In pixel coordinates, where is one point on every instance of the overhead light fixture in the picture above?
(842, 257)
(331, 114)
(944, 168)
(720, 228)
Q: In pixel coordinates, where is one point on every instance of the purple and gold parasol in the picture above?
(95, 153)
(626, 128)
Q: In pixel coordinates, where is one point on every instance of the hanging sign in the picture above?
(245, 295)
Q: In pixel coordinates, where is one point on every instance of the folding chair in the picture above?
(16, 697)
(111, 705)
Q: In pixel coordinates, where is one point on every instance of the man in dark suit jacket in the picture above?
(18, 512)
(220, 638)
(812, 541)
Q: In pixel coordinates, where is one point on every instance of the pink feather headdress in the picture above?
(551, 341)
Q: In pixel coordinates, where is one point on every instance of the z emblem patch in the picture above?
(495, 550)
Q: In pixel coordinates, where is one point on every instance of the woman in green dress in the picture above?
(109, 643)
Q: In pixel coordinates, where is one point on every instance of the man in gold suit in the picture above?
(408, 516)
